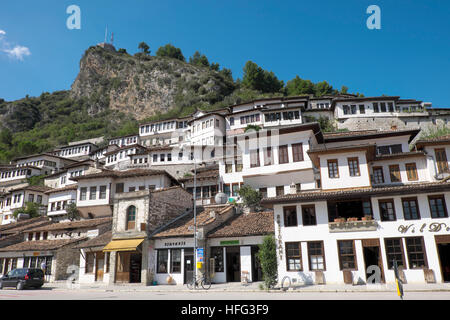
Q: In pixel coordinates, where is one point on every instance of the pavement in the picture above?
(251, 287)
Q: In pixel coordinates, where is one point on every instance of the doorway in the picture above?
(99, 265)
(256, 265)
(444, 258)
(233, 256)
(372, 257)
(188, 265)
(135, 267)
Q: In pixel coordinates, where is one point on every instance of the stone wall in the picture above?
(63, 258)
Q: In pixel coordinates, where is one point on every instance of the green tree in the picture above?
(145, 48)
(72, 212)
(298, 87)
(267, 256)
(199, 59)
(258, 79)
(250, 197)
(170, 51)
(31, 208)
(6, 136)
(344, 89)
(323, 88)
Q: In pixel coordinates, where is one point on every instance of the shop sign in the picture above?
(35, 254)
(175, 244)
(229, 242)
(432, 227)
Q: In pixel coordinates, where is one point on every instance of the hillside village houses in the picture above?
(337, 203)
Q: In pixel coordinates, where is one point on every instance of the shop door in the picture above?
(188, 265)
(372, 256)
(233, 264)
(123, 267)
(99, 265)
(135, 267)
(443, 247)
(256, 265)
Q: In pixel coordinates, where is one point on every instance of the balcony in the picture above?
(352, 226)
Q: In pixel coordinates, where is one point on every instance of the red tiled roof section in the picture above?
(24, 223)
(184, 226)
(207, 174)
(40, 245)
(66, 188)
(99, 241)
(252, 224)
(121, 174)
(81, 224)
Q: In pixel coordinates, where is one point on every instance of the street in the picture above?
(86, 294)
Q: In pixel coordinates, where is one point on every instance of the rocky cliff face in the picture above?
(145, 86)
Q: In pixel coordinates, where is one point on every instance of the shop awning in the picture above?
(123, 245)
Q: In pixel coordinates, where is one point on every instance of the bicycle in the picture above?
(203, 281)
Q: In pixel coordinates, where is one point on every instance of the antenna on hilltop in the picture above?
(112, 37)
(106, 33)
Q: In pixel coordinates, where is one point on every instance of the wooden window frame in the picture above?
(409, 199)
(331, 161)
(392, 173)
(380, 201)
(254, 155)
(438, 196)
(441, 164)
(351, 160)
(309, 206)
(172, 261)
(283, 156)
(299, 256)
(340, 256)
(402, 252)
(382, 174)
(424, 251)
(130, 224)
(310, 256)
(158, 254)
(285, 216)
(297, 152)
(411, 171)
(268, 160)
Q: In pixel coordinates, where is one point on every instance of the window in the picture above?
(90, 257)
(378, 175)
(390, 107)
(217, 255)
(391, 149)
(441, 159)
(387, 210)
(293, 256)
(309, 215)
(416, 252)
(346, 109)
(162, 157)
(283, 156)
(353, 109)
(290, 216)
(383, 106)
(367, 208)
(410, 209)
(347, 258)
(362, 109)
(102, 192)
(155, 158)
(235, 189)
(263, 192)
(45, 235)
(175, 260)
(394, 252)
(279, 190)
(394, 173)
(353, 166)
(268, 156)
(162, 257)
(316, 255)
(238, 166)
(232, 121)
(254, 158)
(119, 187)
(131, 189)
(83, 192)
(169, 157)
(333, 171)
(131, 217)
(228, 168)
(227, 189)
(297, 152)
(31, 198)
(92, 193)
(411, 171)
(438, 207)
(375, 107)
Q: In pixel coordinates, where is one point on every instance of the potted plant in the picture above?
(367, 217)
(339, 219)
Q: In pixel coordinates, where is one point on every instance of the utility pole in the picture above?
(195, 220)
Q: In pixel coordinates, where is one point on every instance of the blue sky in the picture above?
(317, 40)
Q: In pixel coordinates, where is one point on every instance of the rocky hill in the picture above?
(147, 85)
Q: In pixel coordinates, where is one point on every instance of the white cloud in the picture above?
(2, 32)
(18, 52)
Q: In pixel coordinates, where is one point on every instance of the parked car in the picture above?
(23, 278)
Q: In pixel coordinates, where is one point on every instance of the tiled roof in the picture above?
(19, 224)
(434, 140)
(40, 245)
(101, 240)
(20, 229)
(205, 174)
(399, 155)
(252, 224)
(72, 225)
(184, 226)
(369, 134)
(125, 148)
(66, 188)
(356, 192)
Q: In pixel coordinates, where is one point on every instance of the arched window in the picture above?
(131, 217)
